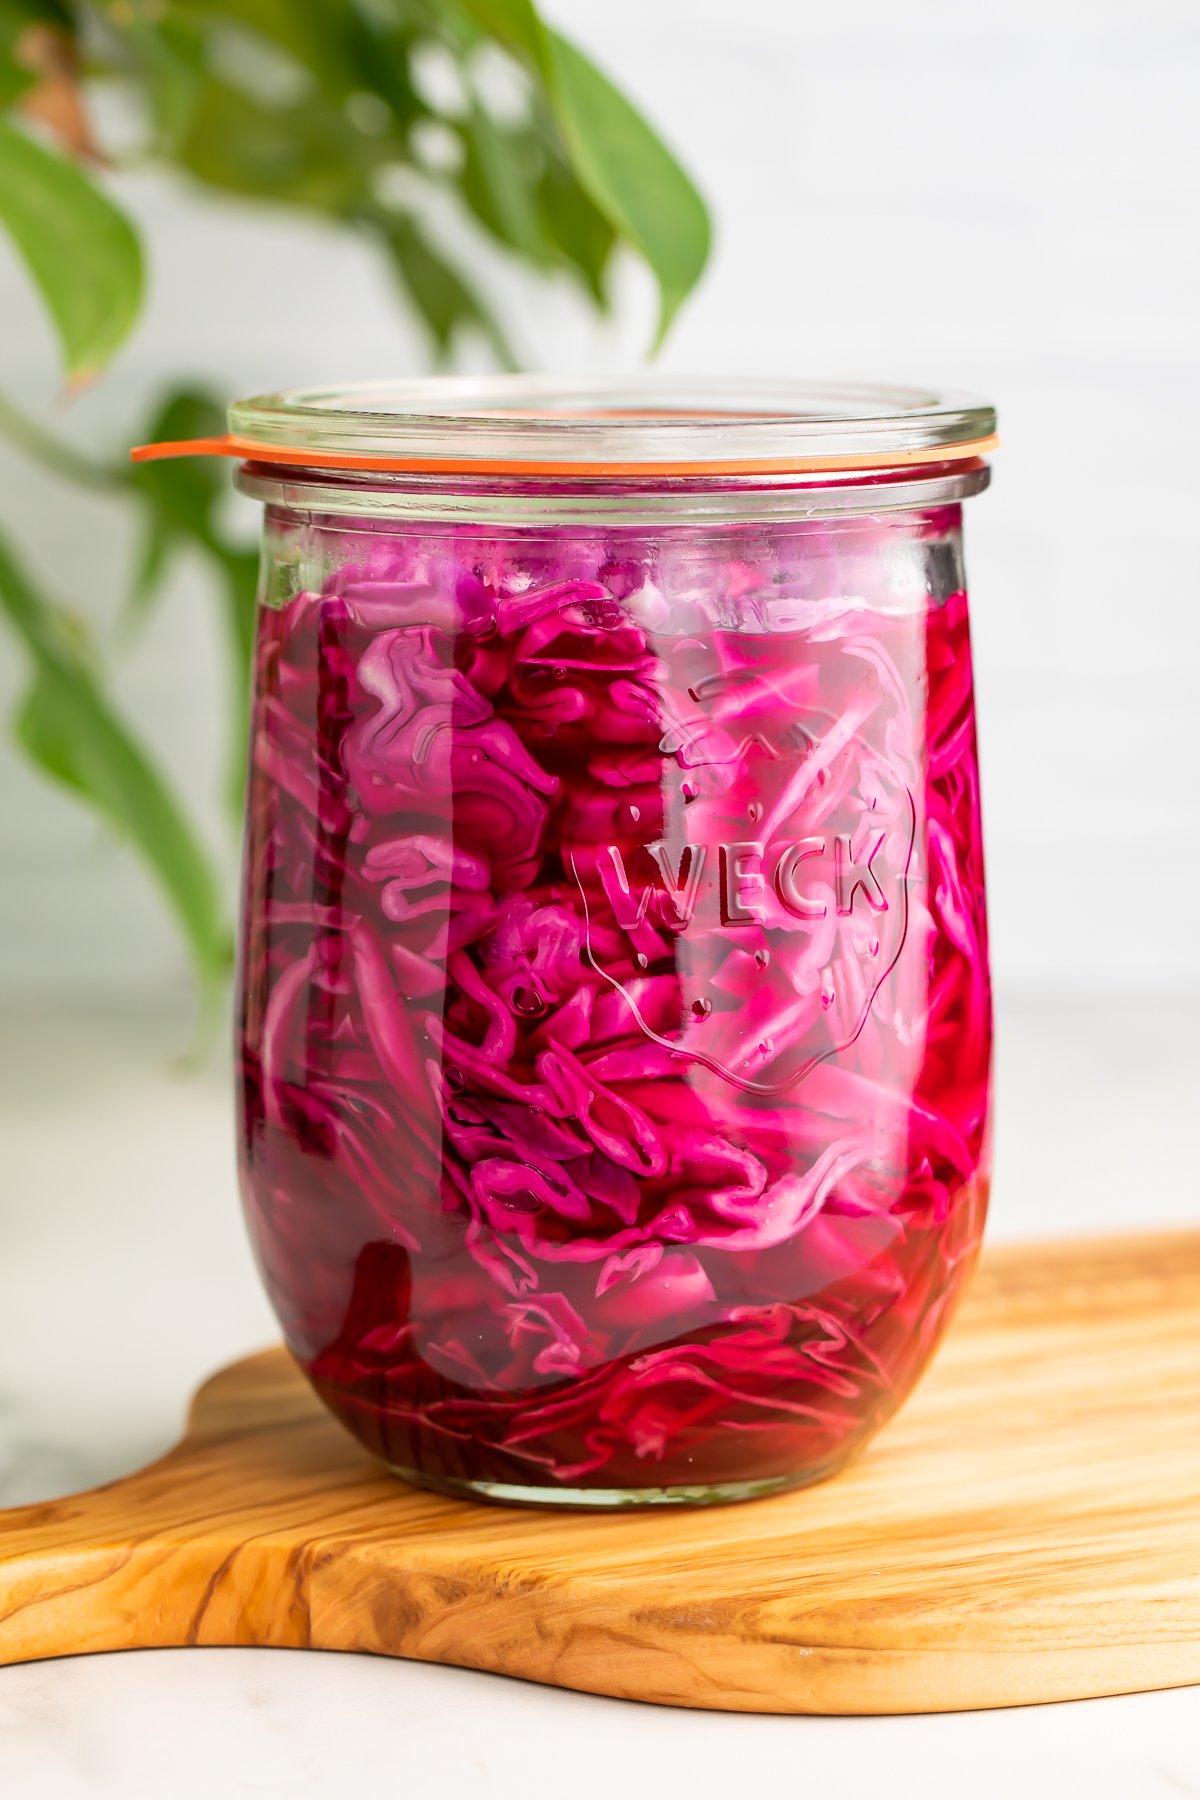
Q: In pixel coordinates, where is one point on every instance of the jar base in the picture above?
(507, 1493)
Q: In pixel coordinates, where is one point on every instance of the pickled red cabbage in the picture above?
(615, 995)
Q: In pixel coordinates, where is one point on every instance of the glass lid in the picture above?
(651, 425)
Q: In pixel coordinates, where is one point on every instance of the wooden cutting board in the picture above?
(1028, 1529)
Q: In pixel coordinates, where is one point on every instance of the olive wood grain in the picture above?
(1028, 1529)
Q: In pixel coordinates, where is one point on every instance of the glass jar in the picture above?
(614, 1005)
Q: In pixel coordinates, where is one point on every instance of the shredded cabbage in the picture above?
(614, 987)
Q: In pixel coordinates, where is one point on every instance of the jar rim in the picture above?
(646, 426)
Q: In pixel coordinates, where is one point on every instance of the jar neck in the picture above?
(644, 502)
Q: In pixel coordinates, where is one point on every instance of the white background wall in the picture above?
(997, 198)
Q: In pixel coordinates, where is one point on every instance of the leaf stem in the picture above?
(54, 454)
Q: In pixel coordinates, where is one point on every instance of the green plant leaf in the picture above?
(14, 81)
(16, 16)
(575, 225)
(622, 164)
(303, 32)
(181, 495)
(150, 569)
(183, 499)
(345, 48)
(80, 249)
(184, 492)
(69, 728)
(168, 55)
(514, 24)
(438, 291)
(499, 181)
(631, 175)
(301, 155)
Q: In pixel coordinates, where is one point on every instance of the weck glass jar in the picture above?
(614, 1003)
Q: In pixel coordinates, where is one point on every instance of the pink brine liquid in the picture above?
(615, 1008)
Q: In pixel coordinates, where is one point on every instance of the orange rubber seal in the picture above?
(249, 451)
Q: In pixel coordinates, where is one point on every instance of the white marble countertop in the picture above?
(125, 1278)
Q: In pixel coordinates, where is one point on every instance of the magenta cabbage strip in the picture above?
(614, 990)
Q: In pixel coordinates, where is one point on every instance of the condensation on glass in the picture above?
(614, 1006)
